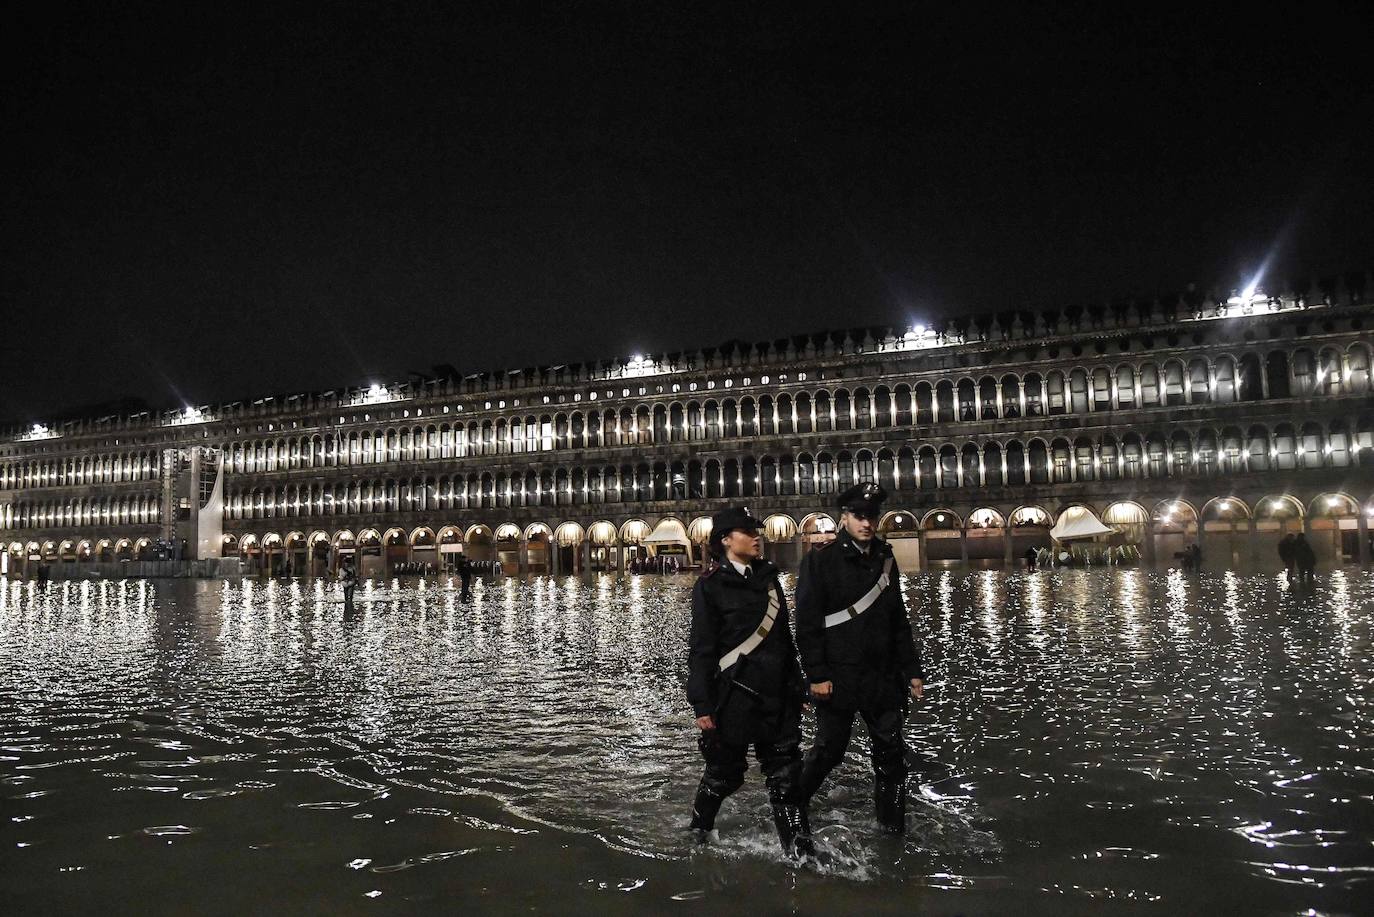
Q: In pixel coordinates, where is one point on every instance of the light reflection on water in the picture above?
(1090, 739)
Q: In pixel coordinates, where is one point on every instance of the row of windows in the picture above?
(1061, 460)
(101, 511)
(1230, 450)
(1223, 380)
(97, 469)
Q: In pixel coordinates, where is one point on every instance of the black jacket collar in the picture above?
(760, 571)
(876, 548)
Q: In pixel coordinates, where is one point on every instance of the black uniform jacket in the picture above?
(870, 658)
(726, 609)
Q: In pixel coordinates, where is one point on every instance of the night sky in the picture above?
(299, 198)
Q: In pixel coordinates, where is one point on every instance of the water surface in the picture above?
(1094, 741)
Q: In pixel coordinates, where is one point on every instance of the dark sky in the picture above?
(201, 209)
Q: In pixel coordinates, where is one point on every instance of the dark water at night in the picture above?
(1107, 742)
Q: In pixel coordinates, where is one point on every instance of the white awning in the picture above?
(669, 531)
(1078, 522)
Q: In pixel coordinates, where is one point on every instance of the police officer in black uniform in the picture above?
(858, 652)
(744, 682)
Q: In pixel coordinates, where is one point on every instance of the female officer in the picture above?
(744, 681)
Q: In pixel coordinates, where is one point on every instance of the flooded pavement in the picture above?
(1095, 741)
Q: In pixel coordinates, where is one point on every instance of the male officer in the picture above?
(858, 653)
(744, 682)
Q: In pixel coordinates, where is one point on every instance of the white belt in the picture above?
(862, 605)
(752, 641)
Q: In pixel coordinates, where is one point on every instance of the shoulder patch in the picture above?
(710, 570)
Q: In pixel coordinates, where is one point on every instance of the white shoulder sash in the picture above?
(751, 642)
(863, 604)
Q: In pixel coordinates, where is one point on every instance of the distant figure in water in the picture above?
(1304, 558)
(1288, 554)
(349, 576)
(465, 577)
(1030, 558)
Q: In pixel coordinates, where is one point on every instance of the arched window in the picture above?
(825, 474)
(1199, 390)
(1257, 449)
(1055, 402)
(1125, 386)
(992, 465)
(1016, 463)
(806, 474)
(1225, 379)
(1078, 389)
(863, 414)
(1102, 389)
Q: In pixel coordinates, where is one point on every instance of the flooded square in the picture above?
(1092, 741)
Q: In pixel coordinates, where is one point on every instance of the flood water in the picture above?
(1095, 741)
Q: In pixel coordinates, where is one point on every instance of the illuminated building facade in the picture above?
(1227, 423)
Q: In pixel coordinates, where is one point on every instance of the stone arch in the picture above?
(817, 527)
(941, 518)
(1332, 505)
(633, 531)
(898, 522)
(1225, 508)
(699, 530)
(1279, 506)
(779, 527)
(569, 534)
(986, 517)
(535, 529)
(1177, 512)
(602, 533)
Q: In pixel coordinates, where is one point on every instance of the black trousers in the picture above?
(774, 736)
(835, 726)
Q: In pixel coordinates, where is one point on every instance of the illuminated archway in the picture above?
(779, 527)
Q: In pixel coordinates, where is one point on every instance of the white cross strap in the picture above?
(752, 641)
(868, 598)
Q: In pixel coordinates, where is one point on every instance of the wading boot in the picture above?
(794, 827)
(889, 799)
(704, 809)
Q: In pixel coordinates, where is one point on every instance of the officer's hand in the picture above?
(917, 686)
(821, 690)
(706, 722)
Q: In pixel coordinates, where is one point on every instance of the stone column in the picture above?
(584, 549)
(1007, 551)
(620, 559)
(555, 557)
(963, 545)
(524, 555)
(1252, 541)
(1147, 546)
(1362, 526)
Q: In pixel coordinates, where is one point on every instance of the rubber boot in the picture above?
(794, 826)
(889, 798)
(704, 809)
(812, 775)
